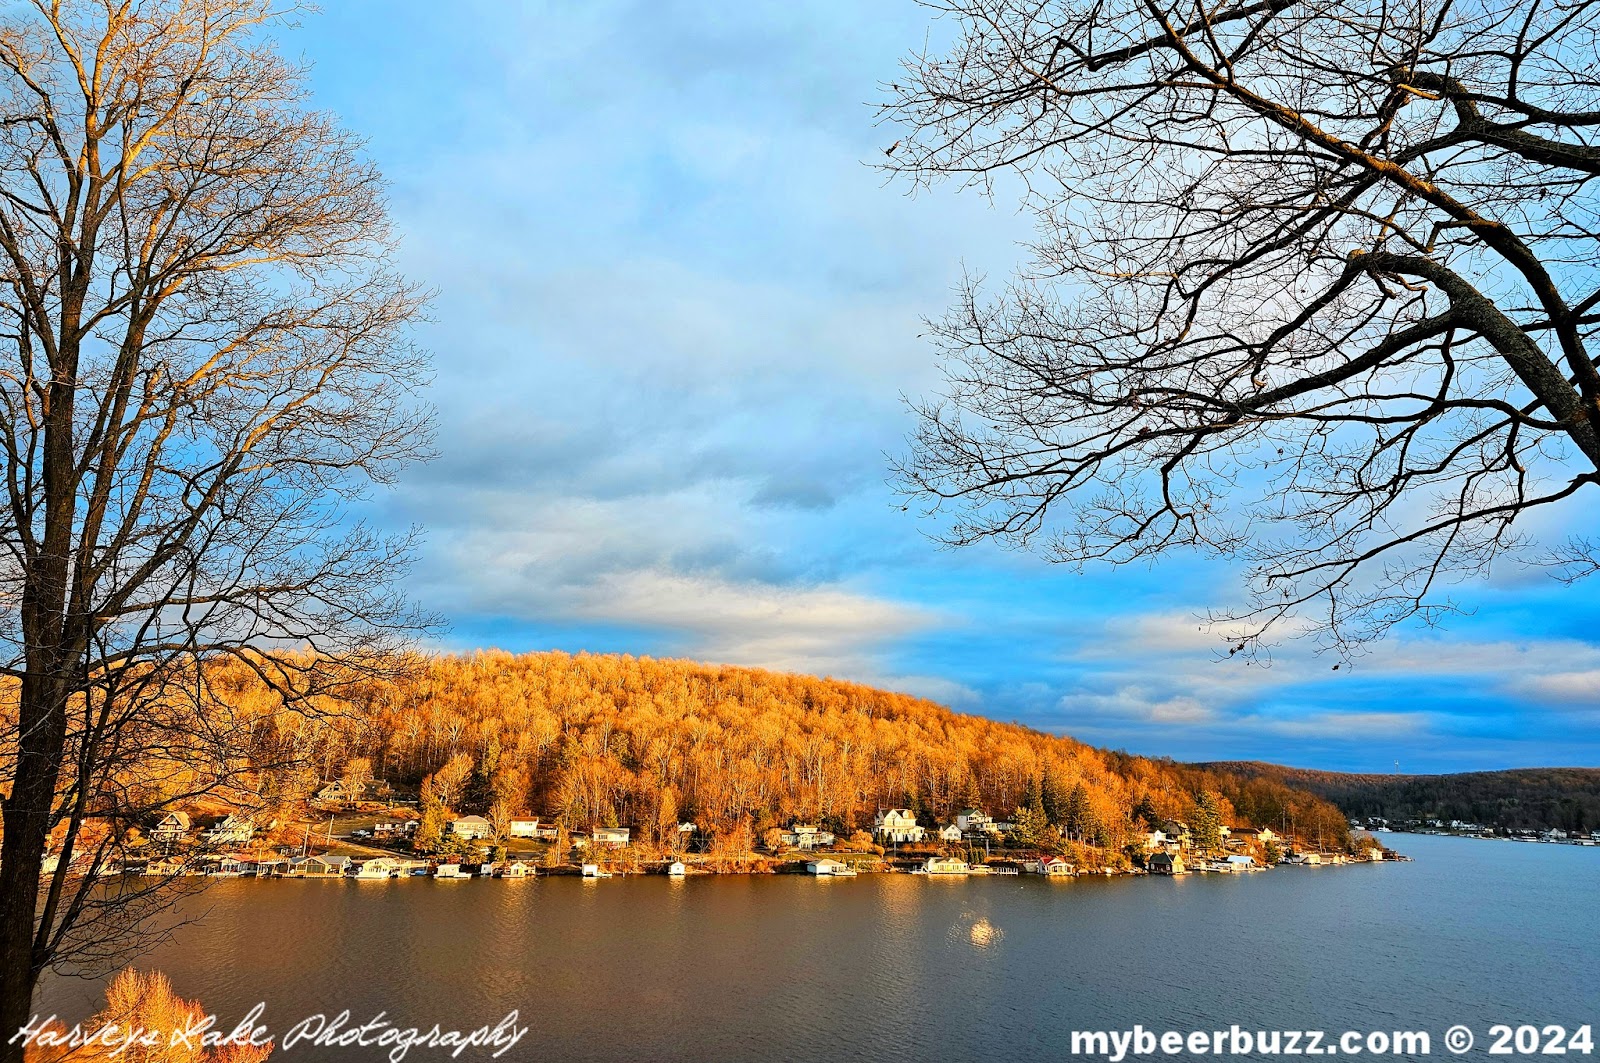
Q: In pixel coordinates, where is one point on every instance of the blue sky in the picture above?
(677, 314)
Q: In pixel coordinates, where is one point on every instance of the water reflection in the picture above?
(984, 934)
(902, 967)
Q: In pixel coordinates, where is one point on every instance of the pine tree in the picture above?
(1031, 796)
(1053, 801)
(1078, 814)
(970, 795)
(430, 824)
(1205, 825)
(1030, 823)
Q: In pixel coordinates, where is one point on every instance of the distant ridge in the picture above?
(1515, 798)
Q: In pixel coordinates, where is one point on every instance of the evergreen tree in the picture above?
(1205, 825)
(1077, 816)
(430, 824)
(1030, 824)
(1032, 798)
(970, 795)
(1053, 801)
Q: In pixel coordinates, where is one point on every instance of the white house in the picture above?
(974, 821)
(1049, 866)
(950, 832)
(234, 830)
(826, 867)
(807, 836)
(676, 869)
(471, 827)
(616, 837)
(1241, 862)
(897, 825)
(522, 828)
(377, 867)
(173, 827)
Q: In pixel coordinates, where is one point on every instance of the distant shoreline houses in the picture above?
(1467, 829)
(971, 843)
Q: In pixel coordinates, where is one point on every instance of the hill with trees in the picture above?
(604, 739)
(1521, 798)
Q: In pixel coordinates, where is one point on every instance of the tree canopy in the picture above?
(1313, 289)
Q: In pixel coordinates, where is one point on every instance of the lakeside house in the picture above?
(1048, 866)
(945, 865)
(1254, 834)
(612, 837)
(376, 867)
(676, 869)
(327, 865)
(950, 833)
(896, 826)
(233, 830)
(172, 827)
(806, 836)
(826, 867)
(1159, 841)
(471, 827)
(522, 828)
(336, 791)
(1166, 864)
(394, 828)
(1241, 862)
(975, 821)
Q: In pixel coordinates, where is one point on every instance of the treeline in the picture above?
(605, 739)
(1522, 798)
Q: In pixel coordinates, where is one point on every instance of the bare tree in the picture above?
(1313, 288)
(207, 366)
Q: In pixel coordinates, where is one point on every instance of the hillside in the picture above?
(646, 743)
(1535, 798)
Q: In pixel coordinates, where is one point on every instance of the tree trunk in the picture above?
(27, 827)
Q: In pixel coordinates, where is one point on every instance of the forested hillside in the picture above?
(648, 743)
(1534, 798)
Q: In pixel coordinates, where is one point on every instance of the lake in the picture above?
(901, 967)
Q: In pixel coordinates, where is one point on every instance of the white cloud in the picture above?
(1356, 725)
(825, 629)
(1575, 688)
(1138, 703)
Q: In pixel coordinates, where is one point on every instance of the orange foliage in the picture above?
(607, 738)
(138, 1025)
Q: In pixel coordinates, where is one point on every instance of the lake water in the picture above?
(900, 967)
